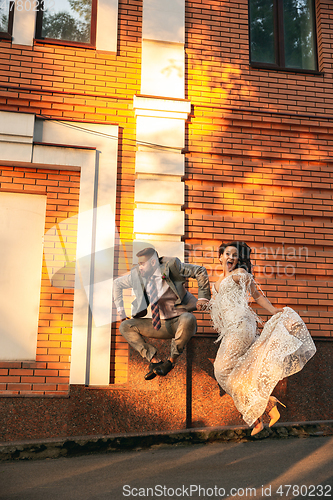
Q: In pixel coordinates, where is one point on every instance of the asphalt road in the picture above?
(276, 469)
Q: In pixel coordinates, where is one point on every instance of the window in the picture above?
(282, 34)
(70, 22)
(6, 18)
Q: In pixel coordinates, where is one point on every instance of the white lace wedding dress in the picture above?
(248, 366)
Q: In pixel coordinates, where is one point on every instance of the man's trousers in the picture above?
(179, 330)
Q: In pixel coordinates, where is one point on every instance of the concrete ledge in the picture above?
(82, 445)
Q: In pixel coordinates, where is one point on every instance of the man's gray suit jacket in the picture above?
(175, 274)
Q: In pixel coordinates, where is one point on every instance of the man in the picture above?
(160, 283)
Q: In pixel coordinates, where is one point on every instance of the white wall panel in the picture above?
(158, 221)
(107, 25)
(22, 222)
(98, 180)
(24, 25)
(16, 136)
(162, 72)
(160, 131)
(163, 192)
(17, 124)
(15, 151)
(161, 107)
(164, 20)
(154, 162)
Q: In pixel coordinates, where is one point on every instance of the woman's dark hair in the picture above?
(244, 252)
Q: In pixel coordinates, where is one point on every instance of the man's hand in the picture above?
(202, 304)
(122, 314)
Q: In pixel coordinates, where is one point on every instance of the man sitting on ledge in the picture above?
(160, 283)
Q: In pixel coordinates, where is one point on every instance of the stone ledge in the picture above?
(82, 445)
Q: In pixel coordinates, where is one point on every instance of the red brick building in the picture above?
(177, 125)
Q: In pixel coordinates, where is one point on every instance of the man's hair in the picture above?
(148, 252)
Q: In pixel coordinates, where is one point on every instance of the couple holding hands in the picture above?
(247, 366)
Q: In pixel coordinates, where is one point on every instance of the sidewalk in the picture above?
(82, 445)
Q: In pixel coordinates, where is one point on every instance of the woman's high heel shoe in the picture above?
(272, 410)
(258, 426)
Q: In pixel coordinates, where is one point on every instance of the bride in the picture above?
(248, 366)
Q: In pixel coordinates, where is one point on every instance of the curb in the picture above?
(83, 445)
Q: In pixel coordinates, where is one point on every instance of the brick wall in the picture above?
(283, 211)
(218, 63)
(258, 168)
(50, 373)
(256, 141)
(259, 160)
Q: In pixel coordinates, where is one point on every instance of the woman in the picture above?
(249, 366)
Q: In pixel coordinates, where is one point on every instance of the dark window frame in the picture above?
(279, 42)
(7, 35)
(57, 41)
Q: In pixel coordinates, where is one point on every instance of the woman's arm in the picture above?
(258, 297)
(262, 301)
